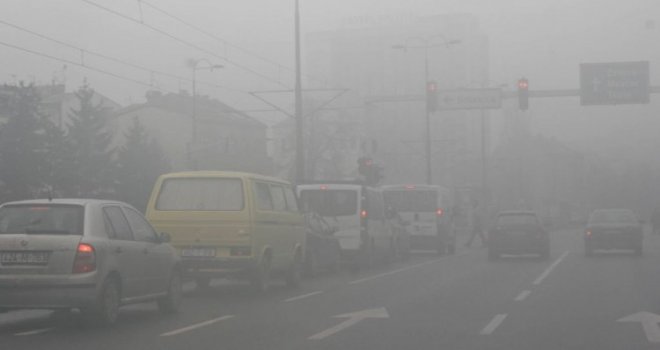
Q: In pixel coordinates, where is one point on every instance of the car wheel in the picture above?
(311, 264)
(293, 278)
(171, 302)
(106, 310)
(442, 247)
(261, 276)
(367, 256)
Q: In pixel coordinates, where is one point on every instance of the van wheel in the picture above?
(261, 276)
(442, 247)
(294, 276)
(106, 310)
(170, 303)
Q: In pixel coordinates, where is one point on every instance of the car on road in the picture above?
(518, 232)
(322, 250)
(89, 254)
(358, 213)
(427, 212)
(613, 229)
(231, 224)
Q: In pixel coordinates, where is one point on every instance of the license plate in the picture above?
(24, 258)
(198, 252)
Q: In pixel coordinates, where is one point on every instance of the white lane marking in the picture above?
(493, 324)
(303, 296)
(353, 318)
(197, 325)
(34, 332)
(402, 269)
(549, 269)
(649, 323)
(524, 294)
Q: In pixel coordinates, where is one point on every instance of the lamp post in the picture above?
(195, 66)
(426, 44)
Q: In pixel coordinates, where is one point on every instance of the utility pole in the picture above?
(300, 157)
(427, 138)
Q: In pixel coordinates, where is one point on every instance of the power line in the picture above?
(184, 42)
(110, 58)
(92, 68)
(223, 41)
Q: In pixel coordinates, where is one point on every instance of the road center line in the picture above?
(402, 269)
(303, 296)
(195, 326)
(493, 324)
(34, 332)
(549, 269)
(524, 294)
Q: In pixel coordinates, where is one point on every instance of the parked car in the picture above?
(613, 229)
(518, 232)
(427, 210)
(231, 224)
(93, 255)
(322, 250)
(358, 213)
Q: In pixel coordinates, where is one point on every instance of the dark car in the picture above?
(518, 232)
(613, 229)
(322, 250)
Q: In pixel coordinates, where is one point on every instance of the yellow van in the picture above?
(231, 224)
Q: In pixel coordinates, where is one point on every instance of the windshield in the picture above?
(517, 219)
(42, 219)
(330, 203)
(201, 194)
(614, 216)
(412, 200)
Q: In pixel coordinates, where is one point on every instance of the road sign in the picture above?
(614, 83)
(469, 99)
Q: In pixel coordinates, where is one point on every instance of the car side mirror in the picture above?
(165, 237)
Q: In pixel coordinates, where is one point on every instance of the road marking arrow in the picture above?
(649, 323)
(353, 318)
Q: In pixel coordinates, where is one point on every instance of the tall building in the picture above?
(390, 84)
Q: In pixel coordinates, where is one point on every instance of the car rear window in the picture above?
(42, 219)
(613, 216)
(412, 201)
(330, 203)
(201, 194)
(517, 219)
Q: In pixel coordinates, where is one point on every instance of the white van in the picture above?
(428, 212)
(357, 215)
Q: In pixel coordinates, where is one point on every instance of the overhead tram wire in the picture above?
(88, 67)
(113, 59)
(224, 41)
(187, 43)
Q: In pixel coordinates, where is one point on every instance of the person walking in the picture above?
(477, 226)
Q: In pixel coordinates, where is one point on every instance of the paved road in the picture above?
(453, 302)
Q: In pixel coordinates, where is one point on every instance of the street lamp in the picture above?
(194, 65)
(427, 43)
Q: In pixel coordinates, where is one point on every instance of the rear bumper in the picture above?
(47, 296)
(217, 267)
(618, 241)
(518, 245)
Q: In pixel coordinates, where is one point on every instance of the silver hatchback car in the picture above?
(93, 255)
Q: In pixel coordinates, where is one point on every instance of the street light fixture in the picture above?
(194, 65)
(426, 44)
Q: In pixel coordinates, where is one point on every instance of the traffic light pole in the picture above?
(427, 131)
(300, 156)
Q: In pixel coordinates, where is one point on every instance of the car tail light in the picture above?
(588, 233)
(85, 260)
(439, 212)
(363, 214)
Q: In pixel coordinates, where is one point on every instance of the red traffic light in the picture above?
(431, 86)
(523, 84)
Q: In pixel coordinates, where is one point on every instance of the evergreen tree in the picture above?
(140, 161)
(91, 142)
(22, 146)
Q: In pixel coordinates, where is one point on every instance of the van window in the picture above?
(330, 202)
(277, 195)
(412, 200)
(291, 202)
(201, 194)
(264, 200)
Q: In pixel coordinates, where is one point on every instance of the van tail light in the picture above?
(85, 260)
(363, 214)
(439, 212)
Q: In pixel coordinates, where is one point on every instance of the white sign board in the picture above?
(469, 99)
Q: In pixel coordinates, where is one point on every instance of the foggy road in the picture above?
(451, 302)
